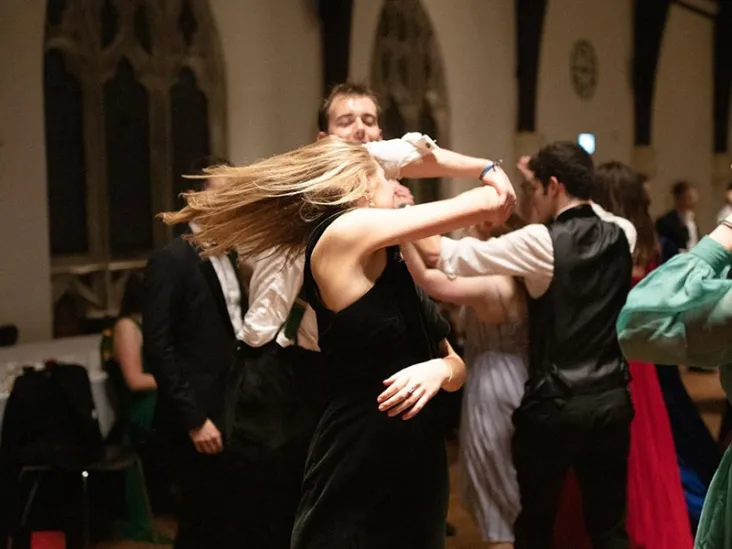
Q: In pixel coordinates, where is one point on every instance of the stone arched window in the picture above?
(134, 93)
(408, 75)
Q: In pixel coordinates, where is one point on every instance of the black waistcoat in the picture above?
(574, 347)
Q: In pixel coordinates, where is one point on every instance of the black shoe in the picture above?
(450, 530)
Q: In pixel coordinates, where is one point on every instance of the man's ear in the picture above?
(321, 135)
(554, 185)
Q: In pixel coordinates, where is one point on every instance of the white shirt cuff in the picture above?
(394, 154)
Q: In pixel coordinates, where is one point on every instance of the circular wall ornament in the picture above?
(583, 69)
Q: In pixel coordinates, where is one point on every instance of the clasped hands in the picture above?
(498, 180)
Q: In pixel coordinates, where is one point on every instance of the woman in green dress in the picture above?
(135, 390)
(682, 314)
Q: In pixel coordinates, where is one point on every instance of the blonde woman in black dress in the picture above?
(376, 475)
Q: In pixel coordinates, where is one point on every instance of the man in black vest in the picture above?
(191, 315)
(576, 411)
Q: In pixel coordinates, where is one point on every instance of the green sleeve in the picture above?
(681, 313)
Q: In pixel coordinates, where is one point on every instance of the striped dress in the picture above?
(497, 358)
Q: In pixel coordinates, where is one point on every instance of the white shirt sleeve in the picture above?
(628, 228)
(527, 253)
(273, 288)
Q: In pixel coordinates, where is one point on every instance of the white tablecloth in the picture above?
(83, 350)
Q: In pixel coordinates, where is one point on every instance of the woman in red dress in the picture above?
(657, 513)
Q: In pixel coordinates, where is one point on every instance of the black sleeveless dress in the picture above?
(373, 481)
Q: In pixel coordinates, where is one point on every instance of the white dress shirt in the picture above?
(276, 283)
(689, 220)
(273, 288)
(526, 253)
(229, 285)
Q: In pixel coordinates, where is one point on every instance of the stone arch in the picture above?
(408, 75)
(134, 92)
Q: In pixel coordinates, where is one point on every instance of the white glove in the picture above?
(394, 154)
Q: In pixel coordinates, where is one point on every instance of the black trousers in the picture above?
(203, 512)
(590, 433)
(274, 401)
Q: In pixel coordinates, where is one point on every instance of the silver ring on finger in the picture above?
(411, 389)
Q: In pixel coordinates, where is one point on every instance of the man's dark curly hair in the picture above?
(569, 163)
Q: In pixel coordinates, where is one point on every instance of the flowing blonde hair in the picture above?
(274, 204)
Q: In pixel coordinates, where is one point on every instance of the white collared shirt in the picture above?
(276, 283)
(229, 285)
(527, 253)
(689, 220)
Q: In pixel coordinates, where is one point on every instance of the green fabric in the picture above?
(292, 324)
(715, 524)
(293, 321)
(681, 313)
(136, 410)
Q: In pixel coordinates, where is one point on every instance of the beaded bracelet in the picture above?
(492, 166)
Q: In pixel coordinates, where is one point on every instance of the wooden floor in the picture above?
(704, 389)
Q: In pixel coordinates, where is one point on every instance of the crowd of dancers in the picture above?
(307, 405)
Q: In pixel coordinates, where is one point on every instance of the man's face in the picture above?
(690, 199)
(544, 199)
(355, 118)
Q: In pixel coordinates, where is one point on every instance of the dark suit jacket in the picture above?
(188, 340)
(671, 226)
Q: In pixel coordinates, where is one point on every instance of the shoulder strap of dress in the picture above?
(310, 288)
(318, 232)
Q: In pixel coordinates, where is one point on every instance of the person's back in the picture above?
(135, 408)
(353, 447)
(574, 344)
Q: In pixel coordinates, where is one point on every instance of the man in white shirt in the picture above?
(576, 411)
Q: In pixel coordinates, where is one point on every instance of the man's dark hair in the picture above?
(569, 163)
(347, 88)
(198, 167)
(680, 188)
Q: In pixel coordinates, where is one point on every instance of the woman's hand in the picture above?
(410, 389)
